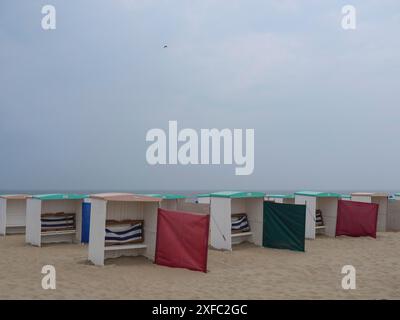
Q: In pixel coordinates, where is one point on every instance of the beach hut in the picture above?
(393, 219)
(13, 213)
(178, 202)
(280, 198)
(203, 198)
(122, 224)
(169, 201)
(345, 197)
(397, 196)
(380, 198)
(52, 218)
(236, 217)
(321, 212)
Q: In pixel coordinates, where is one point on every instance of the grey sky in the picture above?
(76, 102)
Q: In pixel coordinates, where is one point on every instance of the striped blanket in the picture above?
(58, 222)
(240, 223)
(124, 234)
(319, 222)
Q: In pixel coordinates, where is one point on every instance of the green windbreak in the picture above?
(284, 226)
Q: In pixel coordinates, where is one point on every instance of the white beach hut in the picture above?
(122, 224)
(380, 198)
(236, 217)
(280, 198)
(321, 212)
(52, 218)
(203, 198)
(393, 219)
(169, 201)
(13, 213)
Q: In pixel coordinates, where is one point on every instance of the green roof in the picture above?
(237, 194)
(61, 196)
(281, 196)
(318, 194)
(203, 195)
(167, 196)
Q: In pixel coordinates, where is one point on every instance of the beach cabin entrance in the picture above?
(52, 218)
(236, 217)
(280, 198)
(13, 213)
(122, 224)
(321, 212)
(380, 198)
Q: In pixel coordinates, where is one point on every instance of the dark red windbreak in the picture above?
(356, 219)
(182, 240)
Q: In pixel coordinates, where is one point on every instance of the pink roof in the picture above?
(16, 196)
(124, 197)
(371, 194)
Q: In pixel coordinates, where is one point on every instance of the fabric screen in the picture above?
(284, 226)
(182, 240)
(356, 219)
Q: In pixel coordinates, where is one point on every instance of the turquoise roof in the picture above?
(318, 194)
(203, 195)
(61, 196)
(281, 196)
(166, 196)
(237, 194)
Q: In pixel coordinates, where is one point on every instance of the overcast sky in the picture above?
(76, 102)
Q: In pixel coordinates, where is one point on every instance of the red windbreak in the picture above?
(356, 219)
(182, 240)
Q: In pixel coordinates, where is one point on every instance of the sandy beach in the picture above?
(248, 272)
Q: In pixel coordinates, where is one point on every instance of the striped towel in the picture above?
(318, 218)
(58, 222)
(240, 223)
(124, 234)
